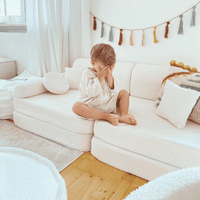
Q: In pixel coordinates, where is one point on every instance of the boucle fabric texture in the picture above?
(187, 80)
(55, 83)
(27, 175)
(182, 184)
(56, 110)
(70, 139)
(146, 80)
(177, 104)
(130, 162)
(153, 137)
(73, 76)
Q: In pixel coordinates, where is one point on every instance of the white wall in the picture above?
(133, 14)
(14, 46)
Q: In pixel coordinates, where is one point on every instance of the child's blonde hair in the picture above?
(103, 53)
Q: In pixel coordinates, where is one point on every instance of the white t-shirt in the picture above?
(97, 95)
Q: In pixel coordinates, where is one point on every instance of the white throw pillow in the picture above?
(73, 76)
(177, 104)
(55, 83)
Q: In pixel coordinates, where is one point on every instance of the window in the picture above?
(12, 11)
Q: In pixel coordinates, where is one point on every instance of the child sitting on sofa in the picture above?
(98, 89)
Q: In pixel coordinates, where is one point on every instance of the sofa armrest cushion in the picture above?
(32, 87)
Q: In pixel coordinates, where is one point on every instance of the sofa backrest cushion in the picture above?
(73, 76)
(146, 80)
(122, 71)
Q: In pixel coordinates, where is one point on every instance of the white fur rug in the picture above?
(13, 136)
(28, 176)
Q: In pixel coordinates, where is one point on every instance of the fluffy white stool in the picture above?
(182, 184)
(27, 175)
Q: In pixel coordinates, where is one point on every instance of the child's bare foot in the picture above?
(128, 119)
(113, 119)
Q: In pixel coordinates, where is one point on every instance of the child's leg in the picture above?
(123, 103)
(82, 109)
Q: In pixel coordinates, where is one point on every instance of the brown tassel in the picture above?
(154, 33)
(167, 30)
(94, 24)
(120, 37)
(131, 38)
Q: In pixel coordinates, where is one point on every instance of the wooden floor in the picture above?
(90, 179)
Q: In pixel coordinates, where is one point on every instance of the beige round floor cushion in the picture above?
(55, 83)
(186, 79)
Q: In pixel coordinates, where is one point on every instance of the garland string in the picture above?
(150, 26)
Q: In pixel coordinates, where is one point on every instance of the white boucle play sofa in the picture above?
(148, 150)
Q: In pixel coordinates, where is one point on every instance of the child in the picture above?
(98, 89)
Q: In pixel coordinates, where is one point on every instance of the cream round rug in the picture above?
(28, 176)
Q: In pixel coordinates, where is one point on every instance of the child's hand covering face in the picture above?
(110, 69)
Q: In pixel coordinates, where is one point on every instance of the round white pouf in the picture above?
(183, 184)
(25, 175)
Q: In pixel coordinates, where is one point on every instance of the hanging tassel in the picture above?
(94, 24)
(154, 33)
(193, 16)
(111, 34)
(102, 29)
(167, 30)
(120, 37)
(180, 30)
(143, 37)
(131, 38)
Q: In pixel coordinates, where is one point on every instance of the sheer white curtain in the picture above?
(47, 29)
(79, 31)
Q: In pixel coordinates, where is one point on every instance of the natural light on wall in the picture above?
(12, 11)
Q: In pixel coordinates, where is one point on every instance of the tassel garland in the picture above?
(167, 29)
(143, 37)
(180, 30)
(111, 34)
(120, 37)
(131, 38)
(94, 24)
(193, 16)
(102, 29)
(154, 33)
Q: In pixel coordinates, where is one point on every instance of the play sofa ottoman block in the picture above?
(7, 68)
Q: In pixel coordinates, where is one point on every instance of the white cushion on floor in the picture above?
(55, 110)
(153, 136)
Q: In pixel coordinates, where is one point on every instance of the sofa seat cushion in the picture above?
(153, 137)
(56, 110)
